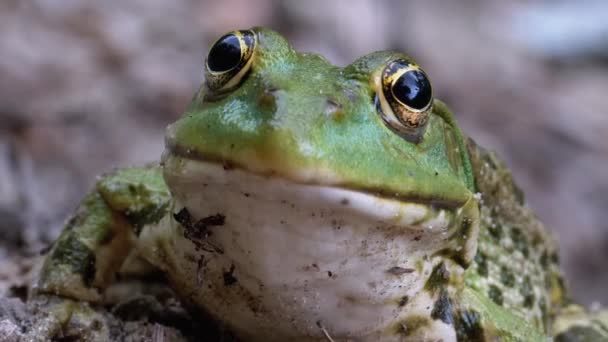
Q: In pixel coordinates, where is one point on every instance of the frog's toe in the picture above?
(55, 317)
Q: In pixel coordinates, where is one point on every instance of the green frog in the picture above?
(300, 201)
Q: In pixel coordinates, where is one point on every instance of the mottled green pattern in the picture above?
(73, 252)
(139, 193)
(512, 266)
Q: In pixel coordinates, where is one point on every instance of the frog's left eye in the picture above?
(404, 99)
(229, 60)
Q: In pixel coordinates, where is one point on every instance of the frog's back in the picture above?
(516, 266)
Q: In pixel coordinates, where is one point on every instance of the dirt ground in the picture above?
(89, 86)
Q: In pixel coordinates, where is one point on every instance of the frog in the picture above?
(297, 200)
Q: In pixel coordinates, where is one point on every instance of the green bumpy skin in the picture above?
(294, 116)
(91, 249)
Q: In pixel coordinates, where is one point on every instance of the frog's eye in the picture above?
(404, 99)
(229, 60)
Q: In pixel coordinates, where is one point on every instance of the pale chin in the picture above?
(303, 261)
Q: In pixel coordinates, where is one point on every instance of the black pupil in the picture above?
(225, 54)
(413, 89)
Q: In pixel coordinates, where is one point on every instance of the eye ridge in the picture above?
(229, 60)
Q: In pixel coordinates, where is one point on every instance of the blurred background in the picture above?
(87, 86)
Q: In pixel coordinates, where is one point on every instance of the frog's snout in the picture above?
(281, 102)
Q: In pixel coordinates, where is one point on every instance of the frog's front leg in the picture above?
(91, 250)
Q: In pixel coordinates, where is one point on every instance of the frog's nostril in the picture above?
(333, 109)
(267, 99)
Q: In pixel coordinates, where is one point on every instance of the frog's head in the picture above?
(275, 137)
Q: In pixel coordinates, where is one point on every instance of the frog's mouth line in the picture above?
(192, 173)
(456, 238)
(326, 179)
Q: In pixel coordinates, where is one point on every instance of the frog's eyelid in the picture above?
(225, 80)
(412, 134)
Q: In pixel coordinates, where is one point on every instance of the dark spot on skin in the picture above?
(330, 274)
(438, 278)
(543, 311)
(147, 215)
(495, 294)
(527, 292)
(442, 309)
(403, 301)
(344, 201)
(468, 326)
(246, 194)
(579, 333)
(482, 264)
(132, 189)
(397, 270)
(72, 252)
(315, 266)
(229, 278)
(267, 100)
(451, 253)
(519, 241)
(495, 231)
(506, 277)
(544, 260)
(198, 232)
(559, 282)
(417, 237)
(458, 255)
(537, 240)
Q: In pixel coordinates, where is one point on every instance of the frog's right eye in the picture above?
(404, 99)
(229, 60)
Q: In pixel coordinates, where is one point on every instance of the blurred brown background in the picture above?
(87, 86)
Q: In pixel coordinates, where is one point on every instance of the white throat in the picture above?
(300, 260)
